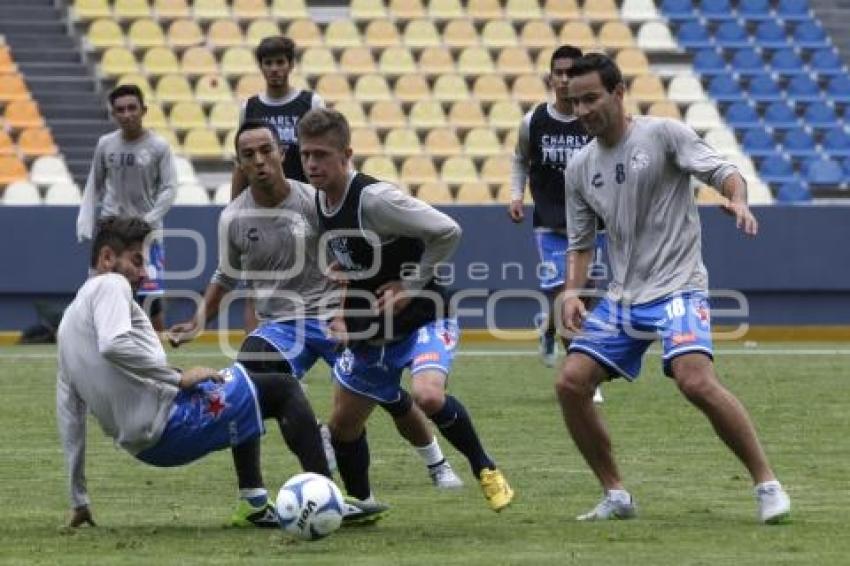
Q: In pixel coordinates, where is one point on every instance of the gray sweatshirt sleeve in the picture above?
(519, 168)
(388, 212)
(167, 188)
(92, 195)
(581, 219)
(695, 156)
(71, 419)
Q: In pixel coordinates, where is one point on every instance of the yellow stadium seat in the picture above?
(289, 9)
(519, 10)
(356, 61)
(333, 88)
(616, 35)
(85, 10)
(484, 10)
(543, 63)
(513, 61)
(537, 35)
(406, 9)
(632, 62)
(13, 87)
(367, 10)
(145, 33)
(249, 85)
(250, 9)
(237, 61)
(35, 142)
(381, 33)
(466, 114)
(427, 114)
(184, 33)
(171, 138)
(174, 88)
(460, 33)
(20, 114)
(475, 61)
(261, 29)
(105, 33)
(498, 33)
(7, 65)
(665, 109)
(402, 142)
(317, 61)
(342, 33)
(501, 193)
(529, 89)
(205, 10)
(229, 151)
(600, 10)
(441, 10)
(578, 34)
(202, 143)
(417, 170)
(421, 33)
(7, 146)
(118, 61)
(160, 61)
(353, 112)
(12, 169)
(496, 169)
(212, 88)
(365, 141)
(561, 10)
(123, 10)
(198, 61)
(154, 116)
(140, 81)
(449, 88)
(457, 170)
(396, 61)
(481, 142)
(187, 115)
(647, 88)
(171, 9)
(509, 145)
(490, 88)
(435, 193)
(442, 142)
(224, 33)
(412, 88)
(371, 88)
(504, 115)
(305, 33)
(474, 193)
(631, 106)
(435, 61)
(387, 114)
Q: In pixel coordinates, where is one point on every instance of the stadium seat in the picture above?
(288, 10)
(802, 88)
(342, 33)
(499, 33)
(786, 63)
(250, 9)
(685, 89)
(836, 142)
(528, 89)
(49, 169)
(367, 10)
(167, 10)
(145, 33)
(261, 29)
(460, 33)
(191, 195)
(353, 112)
(484, 10)
(371, 88)
(387, 114)
(225, 33)
(797, 142)
(793, 192)
(442, 142)
(171, 139)
(656, 36)
(638, 11)
(762, 88)
(775, 169)
(12, 169)
(600, 10)
(187, 115)
(20, 114)
(104, 33)
(578, 34)
(184, 33)
(779, 115)
(514, 61)
(723, 141)
(417, 170)
(475, 61)
(709, 62)
(731, 34)
(474, 193)
(467, 114)
(427, 114)
(19, 192)
(140, 81)
(421, 34)
(793, 10)
(333, 88)
(825, 172)
(522, 10)
(202, 143)
(632, 62)
(838, 89)
(402, 142)
(7, 146)
(693, 34)
(412, 88)
(743, 163)
(160, 61)
(481, 142)
(810, 35)
(647, 88)
(317, 61)
(35, 142)
(536, 34)
(747, 62)
(754, 10)
(224, 116)
(561, 10)
(382, 33)
(435, 193)
(395, 61)
(716, 10)
(826, 62)
(198, 61)
(449, 88)
(678, 10)
(356, 61)
(846, 165)
(305, 33)
(616, 35)
(490, 88)
(125, 10)
(758, 142)
(509, 143)
(380, 167)
(665, 109)
(457, 170)
(771, 35)
(442, 10)
(249, 85)
(85, 10)
(221, 195)
(118, 61)
(820, 115)
(63, 194)
(403, 10)
(703, 116)
(435, 61)
(544, 60)
(205, 10)
(174, 88)
(185, 171)
(7, 65)
(210, 89)
(366, 141)
(496, 169)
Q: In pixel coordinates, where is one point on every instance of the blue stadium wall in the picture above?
(796, 272)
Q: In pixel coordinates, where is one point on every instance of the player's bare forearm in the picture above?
(211, 305)
(734, 187)
(578, 262)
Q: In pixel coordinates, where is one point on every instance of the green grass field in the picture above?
(695, 500)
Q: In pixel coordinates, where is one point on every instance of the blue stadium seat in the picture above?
(846, 164)
(709, 62)
(758, 142)
(693, 35)
(809, 34)
(741, 115)
(820, 115)
(780, 115)
(731, 34)
(764, 89)
(716, 10)
(798, 142)
(725, 89)
(786, 63)
(803, 89)
(836, 143)
(826, 62)
(823, 172)
(838, 89)
(793, 191)
(754, 10)
(747, 62)
(776, 169)
(771, 34)
(678, 10)
(794, 10)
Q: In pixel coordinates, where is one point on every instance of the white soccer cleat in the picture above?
(774, 503)
(330, 455)
(597, 396)
(444, 477)
(612, 508)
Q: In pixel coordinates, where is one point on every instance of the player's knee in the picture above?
(400, 407)
(573, 384)
(429, 398)
(345, 427)
(695, 378)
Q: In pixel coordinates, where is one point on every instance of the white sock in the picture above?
(431, 453)
(620, 495)
(768, 484)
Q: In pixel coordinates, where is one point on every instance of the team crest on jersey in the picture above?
(448, 336)
(702, 312)
(640, 161)
(215, 403)
(144, 158)
(346, 362)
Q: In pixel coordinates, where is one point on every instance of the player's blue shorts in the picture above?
(552, 249)
(154, 283)
(617, 336)
(301, 342)
(375, 371)
(209, 417)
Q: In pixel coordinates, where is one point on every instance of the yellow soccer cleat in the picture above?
(496, 490)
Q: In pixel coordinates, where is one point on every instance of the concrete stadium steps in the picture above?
(834, 15)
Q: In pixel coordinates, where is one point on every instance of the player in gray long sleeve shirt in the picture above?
(635, 177)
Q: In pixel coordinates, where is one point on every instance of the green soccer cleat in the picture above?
(246, 515)
(359, 512)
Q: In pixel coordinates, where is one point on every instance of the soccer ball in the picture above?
(309, 506)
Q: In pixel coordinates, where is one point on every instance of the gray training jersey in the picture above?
(641, 190)
(277, 251)
(135, 179)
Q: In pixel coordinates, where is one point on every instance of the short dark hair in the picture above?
(609, 72)
(321, 121)
(119, 233)
(275, 46)
(253, 125)
(126, 90)
(564, 52)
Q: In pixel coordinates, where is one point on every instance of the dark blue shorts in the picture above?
(301, 342)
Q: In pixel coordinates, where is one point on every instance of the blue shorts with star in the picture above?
(375, 371)
(617, 335)
(209, 417)
(552, 249)
(301, 342)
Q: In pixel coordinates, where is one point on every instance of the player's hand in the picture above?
(337, 330)
(392, 296)
(573, 312)
(336, 273)
(182, 333)
(744, 219)
(196, 375)
(81, 516)
(516, 211)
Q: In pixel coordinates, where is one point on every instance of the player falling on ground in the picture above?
(272, 237)
(372, 226)
(112, 365)
(635, 176)
(132, 174)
